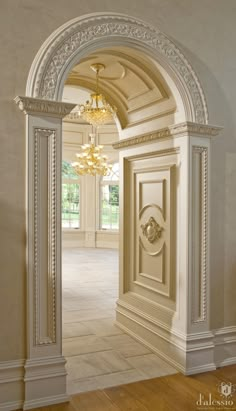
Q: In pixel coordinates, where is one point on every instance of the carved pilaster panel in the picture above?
(44, 236)
(199, 233)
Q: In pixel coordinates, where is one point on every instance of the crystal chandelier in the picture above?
(97, 111)
(91, 161)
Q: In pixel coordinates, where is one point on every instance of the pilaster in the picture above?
(45, 375)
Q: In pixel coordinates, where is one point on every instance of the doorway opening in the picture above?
(99, 354)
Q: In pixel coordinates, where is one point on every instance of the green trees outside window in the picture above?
(109, 200)
(70, 197)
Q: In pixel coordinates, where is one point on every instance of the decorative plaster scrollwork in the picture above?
(56, 56)
(151, 230)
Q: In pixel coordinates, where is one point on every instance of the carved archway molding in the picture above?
(81, 36)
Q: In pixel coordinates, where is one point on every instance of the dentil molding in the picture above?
(178, 130)
(48, 108)
(60, 51)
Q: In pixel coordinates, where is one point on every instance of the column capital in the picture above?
(194, 129)
(35, 106)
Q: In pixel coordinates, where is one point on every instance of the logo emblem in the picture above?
(226, 389)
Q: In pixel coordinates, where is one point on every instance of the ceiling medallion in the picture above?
(97, 111)
(151, 230)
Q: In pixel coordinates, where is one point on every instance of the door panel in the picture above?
(149, 219)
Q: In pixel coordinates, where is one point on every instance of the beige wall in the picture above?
(205, 30)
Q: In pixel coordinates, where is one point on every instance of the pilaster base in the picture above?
(45, 382)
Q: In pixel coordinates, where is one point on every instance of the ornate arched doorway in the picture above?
(164, 281)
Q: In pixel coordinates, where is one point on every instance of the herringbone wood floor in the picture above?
(169, 393)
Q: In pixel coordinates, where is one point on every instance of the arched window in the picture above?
(109, 200)
(70, 197)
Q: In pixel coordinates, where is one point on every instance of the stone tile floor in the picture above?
(98, 353)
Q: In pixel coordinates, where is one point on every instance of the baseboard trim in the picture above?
(151, 347)
(225, 337)
(42, 402)
(11, 371)
(186, 343)
(200, 369)
(225, 330)
(10, 406)
(228, 361)
(189, 353)
(161, 330)
(11, 385)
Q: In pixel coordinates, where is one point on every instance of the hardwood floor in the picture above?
(169, 393)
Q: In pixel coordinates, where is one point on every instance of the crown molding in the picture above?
(37, 106)
(176, 130)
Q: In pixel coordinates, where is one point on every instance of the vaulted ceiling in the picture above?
(130, 81)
